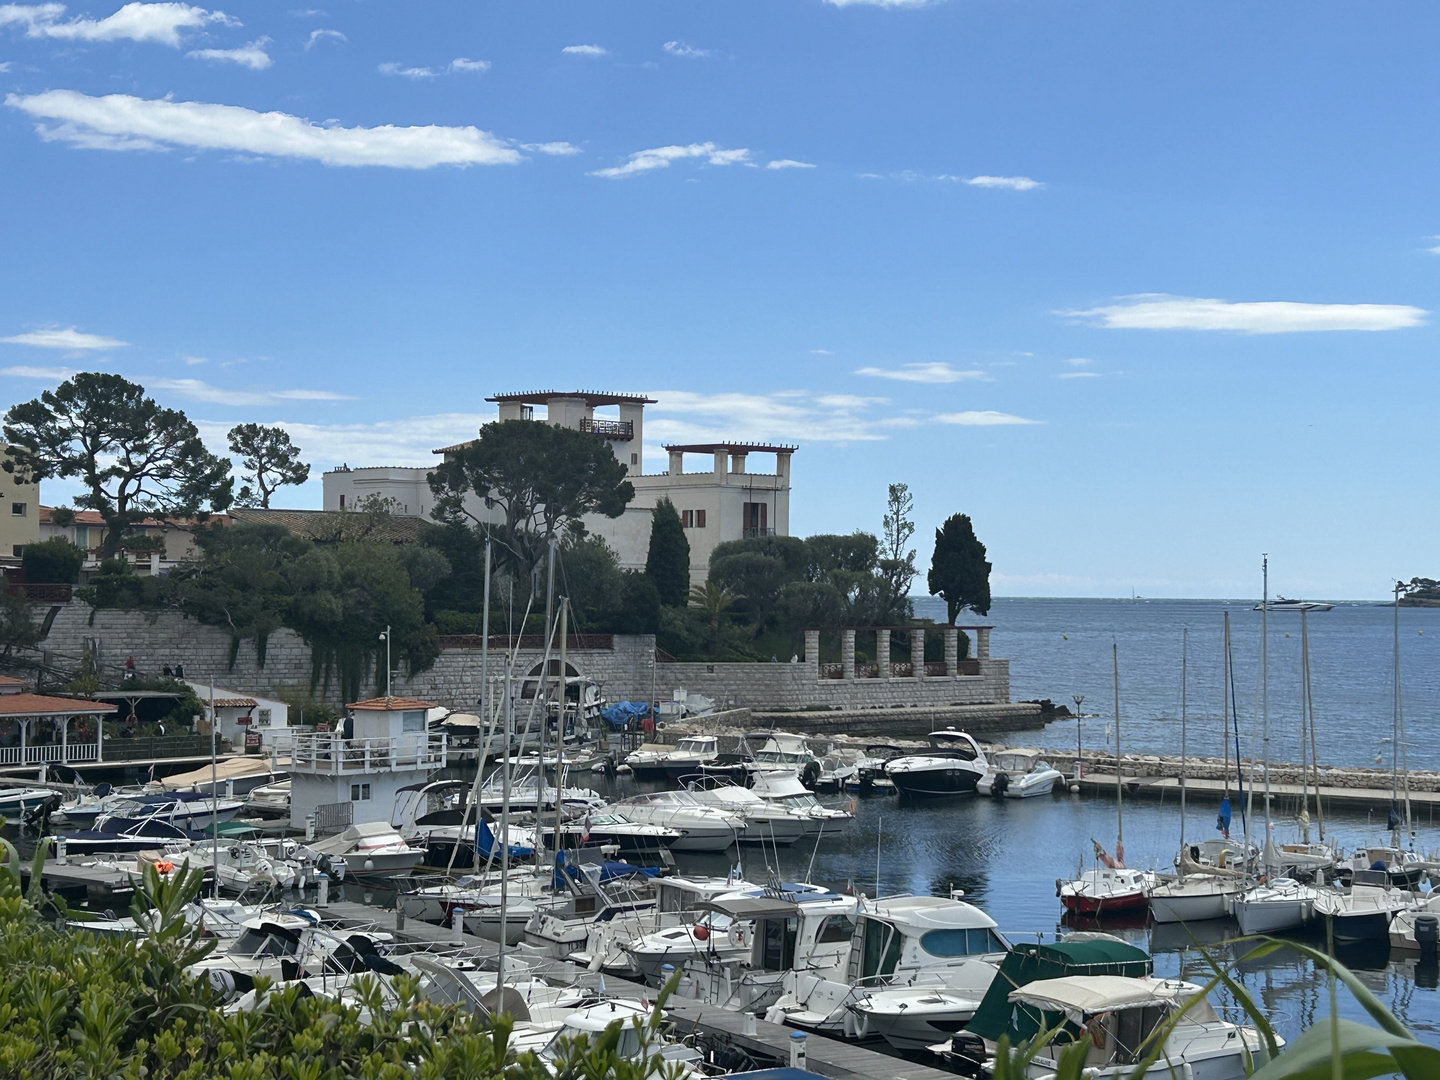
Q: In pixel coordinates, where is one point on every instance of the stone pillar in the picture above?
(982, 643)
(882, 652)
(847, 654)
(952, 651)
(812, 650)
(917, 652)
(737, 461)
(677, 463)
(722, 465)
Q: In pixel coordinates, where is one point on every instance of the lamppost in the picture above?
(1079, 700)
(385, 637)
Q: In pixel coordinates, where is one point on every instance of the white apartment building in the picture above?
(727, 501)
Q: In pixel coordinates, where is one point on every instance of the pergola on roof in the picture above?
(25, 705)
(391, 704)
(729, 447)
(592, 397)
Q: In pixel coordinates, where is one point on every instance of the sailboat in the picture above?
(1112, 887)
(1200, 892)
(1277, 903)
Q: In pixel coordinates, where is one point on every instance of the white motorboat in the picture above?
(1405, 924)
(1019, 774)
(180, 809)
(648, 761)
(767, 821)
(952, 766)
(1280, 603)
(916, 970)
(1279, 904)
(1122, 1014)
(690, 756)
(702, 828)
(1365, 911)
(782, 751)
(271, 799)
(617, 944)
(638, 1039)
(246, 865)
(371, 849)
(783, 789)
(525, 791)
(1406, 868)
(21, 798)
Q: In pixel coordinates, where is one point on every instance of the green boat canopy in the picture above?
(998, 1015)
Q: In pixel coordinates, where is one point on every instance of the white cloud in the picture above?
(984, 418)
(6, 66)
(661, 157)
(306, 13)
(66, 338)
(1013, 183)
(922, 373)
(321, 35)
(822, 352)
(160, 23)
(1079, 375)
(787, 416)
(585, 50)
(679, 48)
(406, 441)
(555, 149)
(462, 63)
(120, 121)
(788, 163)
(48, 374)
(409, 73)
(252, 55)
(191, 361)
(1158, 311)
(879, 3)
(196, 390)
(1078, 361)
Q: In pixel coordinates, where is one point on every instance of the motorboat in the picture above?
(782, 751)
(526, 791)
(690, 756)
(766, 821)
(120, 835)
(638, 1038)
(1365, 911)
(783, 789)
(1018, 774)
(1279, 904)
(606, 893)
(243, 865)
(916, 970)
(702, 828)
(272, 800)
(647, 762)
(1106, 890)
(1123, 1015)
(1406, 868)
(1280, 603)
(21, 799)
(1406, 922)
(612, 830)
(952, 766)
(183, 809)
(371, 849)
(840, 768)
(627, 942)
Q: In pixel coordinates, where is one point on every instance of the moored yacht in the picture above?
(1279, 904)
(701, 827)
(1366, 910)
(1018, 774)
(952, 766)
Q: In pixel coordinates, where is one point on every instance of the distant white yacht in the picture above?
(1281, 604)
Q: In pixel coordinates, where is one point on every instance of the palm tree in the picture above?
(714, 600)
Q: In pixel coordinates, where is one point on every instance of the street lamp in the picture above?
(385, 637)
(1079, 700)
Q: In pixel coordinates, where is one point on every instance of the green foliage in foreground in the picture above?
(81, 1007)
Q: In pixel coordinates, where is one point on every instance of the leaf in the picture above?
(1311, 1055)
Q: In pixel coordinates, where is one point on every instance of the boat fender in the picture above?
(702, 933)
(739, 937)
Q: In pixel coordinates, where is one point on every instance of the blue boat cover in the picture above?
(619, 715)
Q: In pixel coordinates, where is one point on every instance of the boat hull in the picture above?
(1188, 909)
(936, 783)
(1360, 926)
(1269, 916)
(1097, 906)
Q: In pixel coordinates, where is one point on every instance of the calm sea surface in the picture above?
(1059, 648)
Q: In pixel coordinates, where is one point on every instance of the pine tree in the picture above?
(958, 570)
(668, 562)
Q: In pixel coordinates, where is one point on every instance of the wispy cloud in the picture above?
(464, 63)
(65, 338)
(1080, 375)
(46, 374)
(404, 441)
(460, 63)
(879, 3)
(321, 35)
(679, 48)
(1012, 183)
(923, 373)
(252, 56)
(306, 13)
(1159, 311)
(822, 352)
(1078, 361)
(192, 361)
(791, 415)
(661, 156)
(789, 163)
(585, 50)
(6, 66)
(123, 122)
(196, 390)
(159, 23)
(554, 149)
(984, 418)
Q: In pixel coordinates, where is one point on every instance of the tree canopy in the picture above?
(543, 478)
(667, 563)
(959, 573)
(897, 558)
(55, 561)
(270, 461)
(134, 459)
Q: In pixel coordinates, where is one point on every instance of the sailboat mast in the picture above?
(1225, 704)
(1314, 752)
(1304, 712)
(506, 770)
(1395, 725)
(1119, 785)
(542, 692)
(1184, 760)
(1265, 692)
(560, 724)
(485, 718)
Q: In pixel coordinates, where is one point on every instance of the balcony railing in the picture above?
(328, 754)
(758, 532)
(623, 430)
(48, 754)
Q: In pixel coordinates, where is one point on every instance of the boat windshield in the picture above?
(628, 1046)
(779, 757)
(258, 941)
(694, 746)
(1015, 762)
(801, 800)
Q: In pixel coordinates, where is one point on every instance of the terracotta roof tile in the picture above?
(390, 704)
(235, 703)
(43, 705)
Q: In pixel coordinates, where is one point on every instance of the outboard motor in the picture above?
(1000, 785)
(1427, 936)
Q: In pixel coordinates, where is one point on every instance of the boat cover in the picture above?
(619, 715)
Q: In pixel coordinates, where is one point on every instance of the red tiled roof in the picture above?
(390, 704)
(42, 705)
(236, 703)
(6, 680)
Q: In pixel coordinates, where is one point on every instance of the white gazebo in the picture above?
(19, 711)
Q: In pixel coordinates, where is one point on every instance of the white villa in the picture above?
(725, 501)
(239, 715)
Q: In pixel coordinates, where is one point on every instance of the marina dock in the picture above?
(834, 1058)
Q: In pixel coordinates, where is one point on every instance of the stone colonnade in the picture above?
(951, 636)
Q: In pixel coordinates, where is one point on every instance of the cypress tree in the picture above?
(959, 571)
(668, 562)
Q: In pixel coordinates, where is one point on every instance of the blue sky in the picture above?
(1145, 289)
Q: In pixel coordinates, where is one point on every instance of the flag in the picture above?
(585, 831)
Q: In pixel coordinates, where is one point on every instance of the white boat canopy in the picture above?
(1080, 995)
